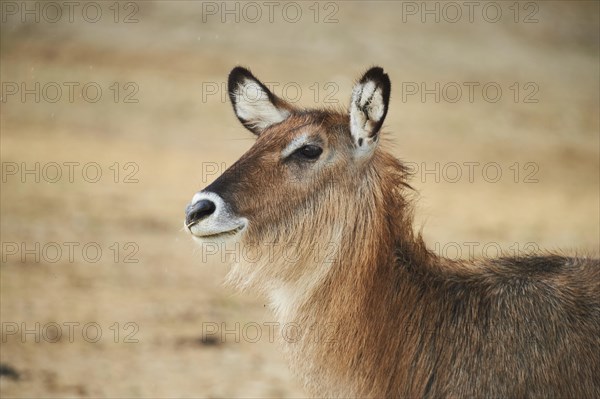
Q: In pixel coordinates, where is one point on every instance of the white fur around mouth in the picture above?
(221, 234)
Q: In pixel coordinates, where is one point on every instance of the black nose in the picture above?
(198, 211)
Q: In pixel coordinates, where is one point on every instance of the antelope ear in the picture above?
(368, 108)
(254, 105)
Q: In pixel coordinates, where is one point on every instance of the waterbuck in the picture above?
(321, 215)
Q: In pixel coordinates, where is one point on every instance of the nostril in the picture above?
(198, 211)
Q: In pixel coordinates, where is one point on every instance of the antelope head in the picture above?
(312, 177)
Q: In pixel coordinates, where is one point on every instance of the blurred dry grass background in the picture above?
(171, 54)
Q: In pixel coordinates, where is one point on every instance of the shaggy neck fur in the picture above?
(333, 270)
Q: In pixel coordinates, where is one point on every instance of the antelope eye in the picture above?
(309, 151)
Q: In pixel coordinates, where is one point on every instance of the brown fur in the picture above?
(385, 317)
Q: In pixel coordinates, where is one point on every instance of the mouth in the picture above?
(220, 234)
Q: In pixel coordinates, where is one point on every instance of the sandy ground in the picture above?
(542, 134)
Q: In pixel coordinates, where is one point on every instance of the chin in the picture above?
(221, 246)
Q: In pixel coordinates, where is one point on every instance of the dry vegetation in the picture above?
(171, 54)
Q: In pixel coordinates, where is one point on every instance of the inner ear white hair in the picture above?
(254, 105)
(368, 108)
